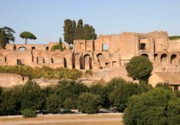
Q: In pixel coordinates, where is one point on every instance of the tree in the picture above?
(121, 93)
(31, 96)
(6, 35)
(80, 30)
(69, 103)
(53, 103)
(88, 103)
(89, 32)
(174, 112)
(69, 31)
(149, 108)
(60, 45)
(140, 68)
(70, 89)
(164, 86)
(27, 35)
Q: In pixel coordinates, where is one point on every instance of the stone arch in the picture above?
(77, 61)
(163, 58)
(22, 49)
(173, 59)
(33, 48)
(65, 63)
(145, 55)
(14, 48)
(100, 59)
(87, 62)
(155, 57)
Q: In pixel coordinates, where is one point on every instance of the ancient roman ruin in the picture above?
(107, 56)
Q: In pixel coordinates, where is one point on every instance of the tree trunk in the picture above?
(26, 41)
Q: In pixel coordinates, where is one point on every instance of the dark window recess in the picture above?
(176, 87)
(142, 46)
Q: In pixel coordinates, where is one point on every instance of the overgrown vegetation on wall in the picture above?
(174, 37)
(45, 72)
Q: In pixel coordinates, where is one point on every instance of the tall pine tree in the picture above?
(80, 30)
(60, 45)
(68, 31)
(3, 39)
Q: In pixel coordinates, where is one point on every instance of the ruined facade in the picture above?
(108, 53)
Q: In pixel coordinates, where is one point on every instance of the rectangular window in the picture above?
(176, 88)
(105, 47)
(142, 46)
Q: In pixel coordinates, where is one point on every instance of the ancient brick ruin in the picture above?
(107, 56)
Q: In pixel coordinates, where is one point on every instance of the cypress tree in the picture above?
(80, 30)
(60, 45)
(3, 39)
(68, 31)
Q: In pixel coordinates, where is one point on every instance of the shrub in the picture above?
(149, 108)
(69, 103)
(139, 67)
(88, 103)
(164, 86)
(28, 113)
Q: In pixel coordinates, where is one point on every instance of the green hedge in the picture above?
(28, 113)
(45, 72)
(174, 37)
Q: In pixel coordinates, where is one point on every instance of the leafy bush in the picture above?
(149, 108)
(164, 86)
(88, 103)
(45, 72)
(28, 113)
(139, 67)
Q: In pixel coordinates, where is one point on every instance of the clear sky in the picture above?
(45, 18)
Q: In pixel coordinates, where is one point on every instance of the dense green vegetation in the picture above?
(45, 72)
(142, 103)
(174, 37)
(58, 46)
(81, 31)
(139, 67)
(156, 107)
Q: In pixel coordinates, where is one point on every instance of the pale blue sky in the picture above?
(45, 18)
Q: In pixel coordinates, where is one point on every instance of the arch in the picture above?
(87, 62)
(164, 58)
(33, 48)
(14, 48)
(52, 61)
(65, 63)
(47, 48)
(173, 59)
(22, 49)
(145, 55)
(155, 57)
(77, 61)
(100, 59)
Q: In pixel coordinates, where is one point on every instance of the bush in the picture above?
(88, 103)
(28, 113)
(139, 67)
(164, 86)
(69, 103)
(149, 108)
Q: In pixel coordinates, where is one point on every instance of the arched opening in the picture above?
(14, 48)
(173, 59)
(65, 63)
(47, 48)
(22, 49)
(155, 57)
(164, 58)
(87, 62)
(77, 61)
(37, 60)
(100, 59)
(145, 55)
(43, 60)
(33, 48)
(52, 61)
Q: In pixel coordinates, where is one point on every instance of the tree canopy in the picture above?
(81, 31)
(139, 67)
(27, 35)
(6, 35)
(156, 107)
